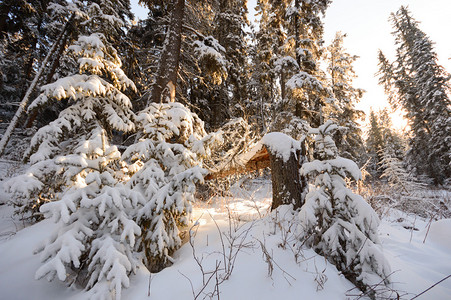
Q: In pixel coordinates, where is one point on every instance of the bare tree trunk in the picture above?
(3, 17)
(52, 71)
(297, 33)
(163, 90)
(282, 85)
(288, 186)
(23, 104)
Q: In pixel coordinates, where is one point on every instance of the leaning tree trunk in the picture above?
(163, 90)
(53, 66)
(12, 125)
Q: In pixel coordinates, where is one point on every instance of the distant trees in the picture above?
(418, 84)
(381, 138)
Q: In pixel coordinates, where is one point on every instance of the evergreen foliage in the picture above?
(22, 36)
(417, 83)
(348, 140)
(262, 84)
(381, 136)
(287, 72)
(96, 103)
(164, 169)
(95, 235)
(337, 223)
(115, 211)
(230, 32)
(395, 173)
(309, 93)
(77, 174)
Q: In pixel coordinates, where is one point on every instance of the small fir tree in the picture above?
(164, 169)
(95, 235)
(76, 171)
(337, 223)
(96, 103)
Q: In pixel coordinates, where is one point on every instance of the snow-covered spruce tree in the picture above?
(231, 20)
(164, 168)
(337, 223)
(93, 244)
(417, 83)
(265, 51)
(309, 94)
(97, 101)
(73, 163)
(305, 96)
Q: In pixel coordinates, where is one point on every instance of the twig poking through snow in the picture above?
(435, 284)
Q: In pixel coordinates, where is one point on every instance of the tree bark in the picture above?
(297, 33)
(55, 64)
(282, 85)
(288, 186)
(5, 138)
(163, 90)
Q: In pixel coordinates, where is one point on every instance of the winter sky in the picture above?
(366, 24)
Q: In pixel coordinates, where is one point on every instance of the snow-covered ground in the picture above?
(239, 249)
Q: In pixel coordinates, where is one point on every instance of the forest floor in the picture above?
(238, 248)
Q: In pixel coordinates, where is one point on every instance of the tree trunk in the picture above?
(5, 138)
(55, 64)
(282, 85)
(297, 33)
(288, 186)
(163, 90)
(3, 17)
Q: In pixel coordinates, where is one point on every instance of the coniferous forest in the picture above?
(196, 154)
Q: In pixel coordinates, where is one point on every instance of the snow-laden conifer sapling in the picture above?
(97, 101)
(73, 163)
(337, 223)
(164, 169)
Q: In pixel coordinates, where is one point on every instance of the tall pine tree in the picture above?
(348, 140)
(417, 83)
